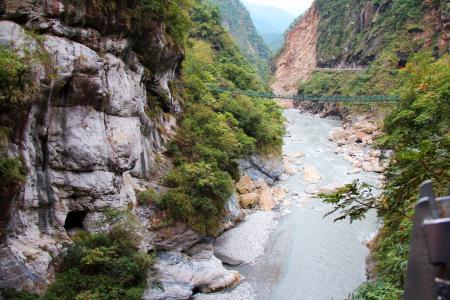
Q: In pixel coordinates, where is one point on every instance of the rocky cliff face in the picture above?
(93, 137)
(298, 57)
(356, 32)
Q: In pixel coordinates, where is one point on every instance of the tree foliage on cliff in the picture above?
(174, 14)
(14, 77)
(216, 130)
(16, 90)
(133, 18)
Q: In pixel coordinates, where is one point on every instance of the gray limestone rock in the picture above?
(180, 275)
(262, 169)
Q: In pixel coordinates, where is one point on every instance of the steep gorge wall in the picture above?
(298, 57)
(92, 138)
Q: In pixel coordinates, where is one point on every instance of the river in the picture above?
(304, 256)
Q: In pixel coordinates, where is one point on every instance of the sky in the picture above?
(294, 7)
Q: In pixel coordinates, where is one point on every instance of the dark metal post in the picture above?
(429, 256)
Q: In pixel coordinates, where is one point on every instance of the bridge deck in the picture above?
(334, 98)
(335, 69)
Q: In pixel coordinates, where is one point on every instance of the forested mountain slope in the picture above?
(236, 19)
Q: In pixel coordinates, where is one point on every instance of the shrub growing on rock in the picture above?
(198, 195)
(148, 197)
(101, 266)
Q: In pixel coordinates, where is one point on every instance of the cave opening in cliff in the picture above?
(75, 219)
(196, 290)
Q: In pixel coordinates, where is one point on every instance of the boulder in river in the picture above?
(311, 174)
(329, 188)
(339, 135)
(258, 168)
(248, 200)
(298, 154)
(179, 275)
(266, 201)
(354, 171)
(290, 169)
(278, 193)
(245, 185)
(261, 185)
(364, 126)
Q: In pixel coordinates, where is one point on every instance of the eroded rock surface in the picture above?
(261, 169)
(180, 274)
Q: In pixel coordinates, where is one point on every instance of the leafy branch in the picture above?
(354, 200)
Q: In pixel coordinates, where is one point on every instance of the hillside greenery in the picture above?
(216, 129)
(237, 20)
(379, 78)
(418, 132)
(391, 24)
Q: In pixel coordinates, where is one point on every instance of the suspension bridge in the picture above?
(335, 69)
(303, 97)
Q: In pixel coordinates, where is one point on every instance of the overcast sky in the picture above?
(294, 7)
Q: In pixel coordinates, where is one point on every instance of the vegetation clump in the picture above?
(16, 90)
(174, 14)
(148, 197)
(16, 86)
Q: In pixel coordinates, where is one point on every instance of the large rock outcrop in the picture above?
(88, 140)
(298, 57)
(198, 270)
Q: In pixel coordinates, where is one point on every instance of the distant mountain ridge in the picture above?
(270, 22)
(237, 20)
